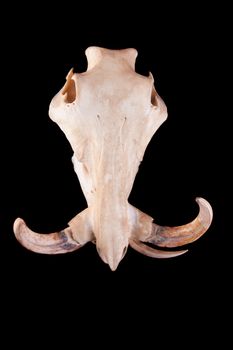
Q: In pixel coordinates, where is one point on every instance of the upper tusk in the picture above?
(53, 243)
(165, 236)
(152, 252)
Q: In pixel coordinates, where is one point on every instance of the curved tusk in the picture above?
(53, 243)
(152, 252)
(164, 236)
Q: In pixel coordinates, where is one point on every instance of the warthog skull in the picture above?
(109, 115)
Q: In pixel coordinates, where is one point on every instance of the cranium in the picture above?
(109, 115)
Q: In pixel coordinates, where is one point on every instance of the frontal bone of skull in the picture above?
(109, 115)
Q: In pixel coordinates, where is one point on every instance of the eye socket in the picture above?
(69, 91)
(154, 97)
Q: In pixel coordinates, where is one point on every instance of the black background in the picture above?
(185, 159)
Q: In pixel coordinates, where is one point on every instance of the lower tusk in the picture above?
(152, 252)
(53, 243)
(164, 236)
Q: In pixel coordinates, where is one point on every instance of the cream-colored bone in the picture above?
(109, 115)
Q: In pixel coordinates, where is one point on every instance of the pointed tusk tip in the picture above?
(183, 252)
(18, 224)
(205, 205)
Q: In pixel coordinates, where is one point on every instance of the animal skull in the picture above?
(109, 115)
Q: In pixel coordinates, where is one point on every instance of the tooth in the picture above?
(152, 252)
(164, 236)
(53, 243)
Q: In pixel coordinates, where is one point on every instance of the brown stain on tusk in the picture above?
(164, 236)
(52, 243)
